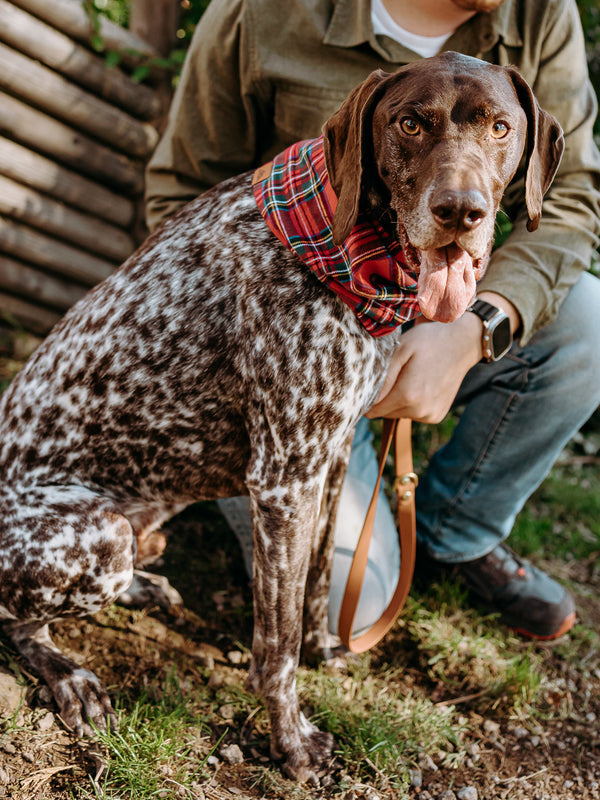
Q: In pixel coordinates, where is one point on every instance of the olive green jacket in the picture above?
(261, 74)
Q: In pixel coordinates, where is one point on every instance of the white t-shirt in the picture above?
(383, 23)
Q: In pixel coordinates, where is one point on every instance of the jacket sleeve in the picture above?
(536, 270)
(211, 130)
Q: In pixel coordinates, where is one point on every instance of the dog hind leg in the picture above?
(64, 551)
(81, 698)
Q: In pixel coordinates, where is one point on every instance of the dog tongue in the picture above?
(446, 283)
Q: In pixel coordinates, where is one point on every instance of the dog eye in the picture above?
(409, 126)
(500, 130)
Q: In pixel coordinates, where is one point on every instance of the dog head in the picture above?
(438, 142)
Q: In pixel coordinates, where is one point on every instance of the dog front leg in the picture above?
(284, 521)
(318, 641)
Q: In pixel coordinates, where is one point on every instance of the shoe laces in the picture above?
(507, 557)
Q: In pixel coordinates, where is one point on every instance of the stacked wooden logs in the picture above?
(75, 135)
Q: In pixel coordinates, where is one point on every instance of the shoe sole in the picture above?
(566, 626)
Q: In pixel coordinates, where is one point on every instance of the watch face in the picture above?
(501, 338)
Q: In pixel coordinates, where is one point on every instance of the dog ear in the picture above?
(344, 144)
(545, 146)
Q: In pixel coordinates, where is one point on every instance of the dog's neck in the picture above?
(376, 203)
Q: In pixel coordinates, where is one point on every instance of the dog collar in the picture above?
(367, 271)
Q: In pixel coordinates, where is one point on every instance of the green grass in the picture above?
(379, 730)
(470, 661)
(562, 519)
(161, 747)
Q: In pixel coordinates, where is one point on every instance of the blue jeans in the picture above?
(518, 414)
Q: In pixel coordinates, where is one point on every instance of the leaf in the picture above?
(140, 73)
(112, 58)
(97, 42)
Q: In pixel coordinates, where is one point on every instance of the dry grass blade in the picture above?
(35, 782)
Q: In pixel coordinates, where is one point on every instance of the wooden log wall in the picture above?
(75, 135)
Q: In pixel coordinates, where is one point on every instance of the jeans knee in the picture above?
(573, 336)
(578, 317)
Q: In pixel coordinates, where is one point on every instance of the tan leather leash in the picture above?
(398, 431)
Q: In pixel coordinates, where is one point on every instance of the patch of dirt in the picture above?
(508, 758)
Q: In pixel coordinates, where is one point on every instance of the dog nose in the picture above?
(456, 209)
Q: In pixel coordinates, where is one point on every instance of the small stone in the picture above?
(427, 763)
(27, 756)
(234, 657)
(206, 660)
(416, 778)
(213, 761)
(227, 711)
(537, 730)
(232, 754)
(467, 793)
(216, 679)
(521, 733)
(4, 776)
(8, 748)
(491, 728)
(11, 694)
(45, 722)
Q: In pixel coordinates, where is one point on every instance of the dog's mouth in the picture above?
(447, 278)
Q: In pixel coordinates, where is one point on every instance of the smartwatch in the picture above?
(496, 338)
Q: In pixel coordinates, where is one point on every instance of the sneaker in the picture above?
(530, 602)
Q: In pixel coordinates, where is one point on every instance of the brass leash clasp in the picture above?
(402, 481)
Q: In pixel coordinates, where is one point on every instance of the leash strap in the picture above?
(398, 432)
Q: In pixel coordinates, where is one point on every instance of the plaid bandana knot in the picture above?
(367, 271)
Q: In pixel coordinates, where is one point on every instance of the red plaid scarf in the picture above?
(367, 271)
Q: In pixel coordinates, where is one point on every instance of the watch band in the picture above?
(484, 310)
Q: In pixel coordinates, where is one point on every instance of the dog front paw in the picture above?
(306, 755)
(310, 763)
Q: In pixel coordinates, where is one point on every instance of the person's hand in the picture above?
(430, 363)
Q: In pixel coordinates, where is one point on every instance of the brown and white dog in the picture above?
(213, 366)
